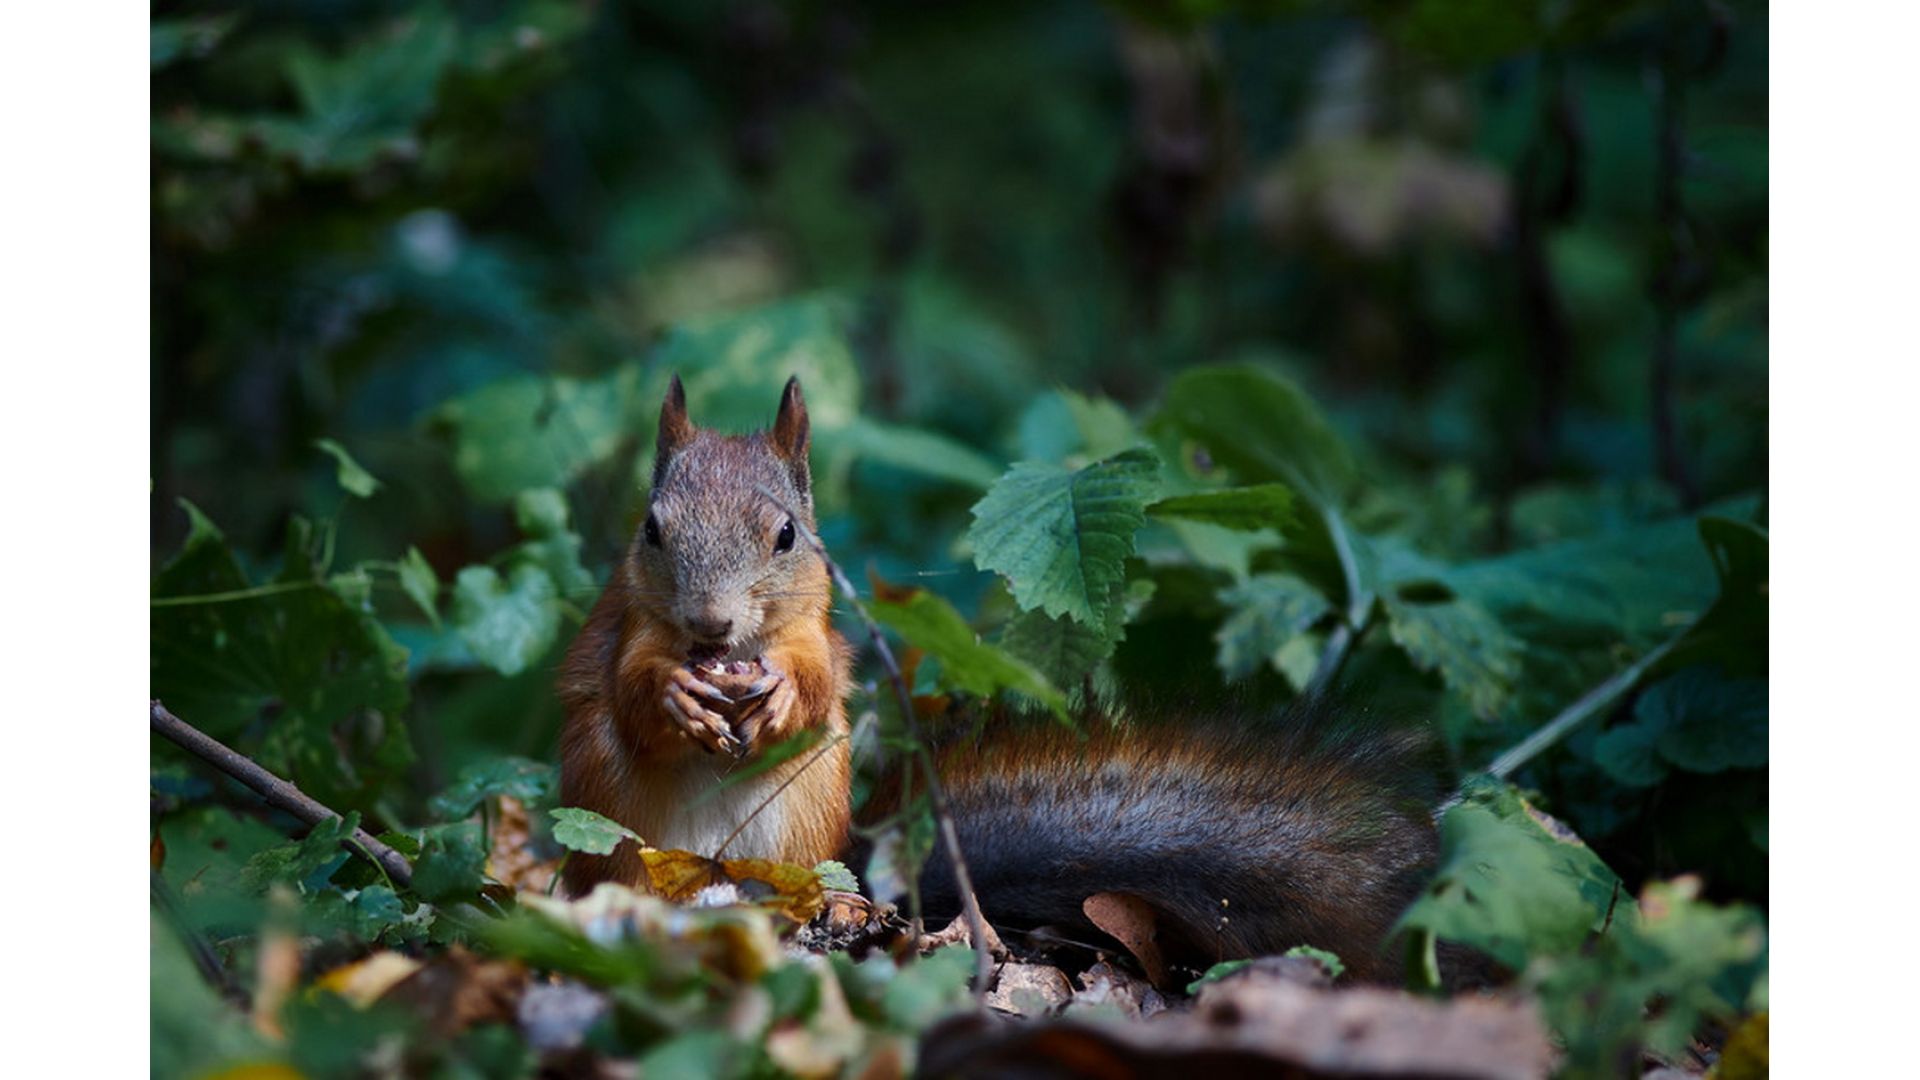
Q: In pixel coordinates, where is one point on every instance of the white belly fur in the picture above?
(709, 814)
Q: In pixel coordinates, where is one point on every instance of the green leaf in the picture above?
(1508, 885)
(1473, 653)
(515, 776)
(1706, 722)
(515, 434)
(919, 451)
(421, 584)
(1105, 428)
(297, 862)
(1263, 427)
(1066, 651)
(451, 865)
(583, 830)
(1697, 960)
(1259, 506)
(1215, 973)
(355, 479)
(333, 678)
(923, 992)
(835, 875)
(1331, 962)
(929, 623)
(540, 512)
(192, 1032)
(1266, 612)
(552, 545)
(1062, 536)
(509, 625)
(1630, 755)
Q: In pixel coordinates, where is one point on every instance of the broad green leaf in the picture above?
(924, 452)
(1506, 884)
(1697, 960)
(515, 434)
(1266, 612)
(325, 670)
(583, 830)
(930, 624)
(1066, 651)
(1259, 506)
(1061, 536)
(1733, 632)
(451, 865)
(1628, 753)
(1706, 722)
(515, 776)
(421, 584)
(1263, 427)
(353, 478)
(510, 624)
(1458, 638)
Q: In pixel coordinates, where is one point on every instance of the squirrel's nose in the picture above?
(711, 629)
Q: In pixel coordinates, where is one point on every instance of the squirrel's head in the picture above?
(720, 556)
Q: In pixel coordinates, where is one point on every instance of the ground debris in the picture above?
(1262, 1026)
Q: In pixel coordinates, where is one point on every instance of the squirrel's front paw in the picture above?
(707, 728)
(769, 706)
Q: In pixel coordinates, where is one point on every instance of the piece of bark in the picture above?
(1258, 1027)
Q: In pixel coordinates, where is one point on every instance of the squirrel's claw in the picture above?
(705, 727)
(770, 706)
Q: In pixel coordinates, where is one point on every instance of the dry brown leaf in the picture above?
(1131, 921)
(790, 889)
(458, 989)
(277, 971)
(1029, 989)
(510, 859)
(363, 981)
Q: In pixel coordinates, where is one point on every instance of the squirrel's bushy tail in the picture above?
(1247, 836)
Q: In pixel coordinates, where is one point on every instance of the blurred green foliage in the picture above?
(1212, 350)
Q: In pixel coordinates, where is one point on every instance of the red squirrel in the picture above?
(714, 640)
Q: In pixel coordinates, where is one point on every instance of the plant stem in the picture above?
(1591, 703)
(277, 792)
(235, 594)
(1353, 622)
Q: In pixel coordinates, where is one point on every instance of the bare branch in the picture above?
(277, 792)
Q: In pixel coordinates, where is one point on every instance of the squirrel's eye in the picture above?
(652, 530)
(784, 542)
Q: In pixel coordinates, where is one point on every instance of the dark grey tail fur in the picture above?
(1248, 836)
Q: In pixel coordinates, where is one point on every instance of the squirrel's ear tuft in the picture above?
(791, 433)
(675, 429)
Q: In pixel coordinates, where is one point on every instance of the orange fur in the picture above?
(622, 756)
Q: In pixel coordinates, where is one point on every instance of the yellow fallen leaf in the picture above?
(363, 981)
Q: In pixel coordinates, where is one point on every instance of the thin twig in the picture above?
(818, 753)
(936, 792)
(277, 792)
(1591, 703)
